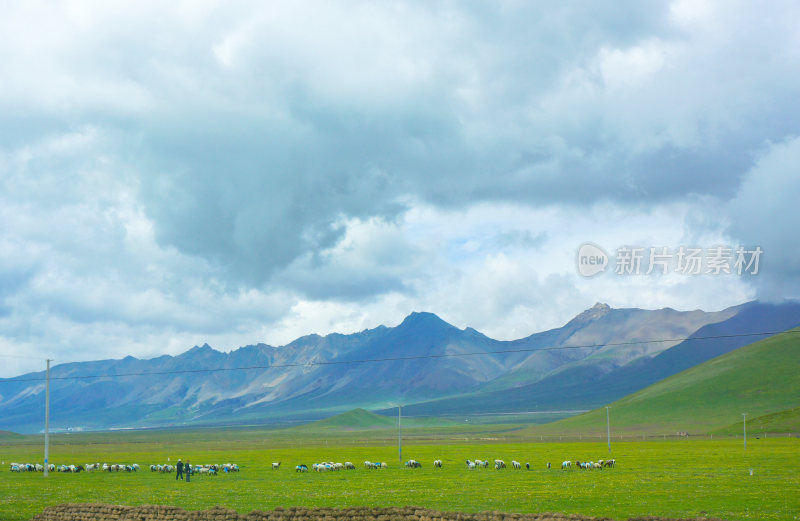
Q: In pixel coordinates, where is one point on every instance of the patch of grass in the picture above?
(673, 478)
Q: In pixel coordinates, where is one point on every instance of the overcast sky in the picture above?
(179, 173)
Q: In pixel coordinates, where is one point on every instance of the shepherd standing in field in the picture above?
(188, 469)
(179, 475)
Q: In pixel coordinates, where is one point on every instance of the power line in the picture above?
(394, 359)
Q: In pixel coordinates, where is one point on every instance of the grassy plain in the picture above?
(679, 478)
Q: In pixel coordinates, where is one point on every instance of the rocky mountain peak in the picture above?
(599, 310)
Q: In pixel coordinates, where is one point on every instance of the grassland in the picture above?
(673, 478)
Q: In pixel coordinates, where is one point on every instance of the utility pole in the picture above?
(608, 428)
(399, 435)
(47, 419)
(744, 426)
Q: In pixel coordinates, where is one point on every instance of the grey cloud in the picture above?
(248, 141)
(764, 214)
(251, 165)
(373, 259)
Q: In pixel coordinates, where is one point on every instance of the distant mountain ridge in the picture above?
(589, 383)
(600, 355)
(759, 378)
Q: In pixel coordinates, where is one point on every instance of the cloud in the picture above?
(82, 274)
(363, 124)
(762, 215)
(234, 173)
(373, 258)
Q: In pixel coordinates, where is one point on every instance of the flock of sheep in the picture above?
(326, 466)
(89, 467)
(589, 465)
(321, 467)
(114, 467)
(213, 469)
(498, 464)
(347, 465)
(471, 465)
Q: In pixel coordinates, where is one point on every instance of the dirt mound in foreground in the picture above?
(100, 512)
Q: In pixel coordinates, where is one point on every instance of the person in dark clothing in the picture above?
(179, 475)
(188, 469)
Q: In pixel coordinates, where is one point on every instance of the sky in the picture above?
(240, 172)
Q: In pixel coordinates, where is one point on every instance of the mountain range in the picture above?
(758, 383)
(427, 365)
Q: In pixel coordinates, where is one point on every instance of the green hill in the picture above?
(787, 421)
(760, 379)
(8, 435)
(363, 420)
(355, 420)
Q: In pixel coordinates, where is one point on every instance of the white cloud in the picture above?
(207, 172)
(632, 68)
(509, 289)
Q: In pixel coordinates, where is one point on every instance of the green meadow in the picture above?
(677, 478)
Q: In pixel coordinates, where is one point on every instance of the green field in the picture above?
(673, 478)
